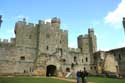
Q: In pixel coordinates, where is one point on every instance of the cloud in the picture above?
(115, 17)
(73, 44)
(19, 17)
(48, 20)
(22, 16)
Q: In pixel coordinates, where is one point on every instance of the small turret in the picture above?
(55, 22)
(91, 31)
(123, 22)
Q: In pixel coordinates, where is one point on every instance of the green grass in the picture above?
(51, 80)
(31, 80)
(105, 80)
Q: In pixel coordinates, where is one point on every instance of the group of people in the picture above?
(82, 75)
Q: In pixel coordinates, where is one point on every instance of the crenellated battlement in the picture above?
(7, 41)
(30, 24)
(74, 50)
(83, 36)
(123, 18)
(54, 22)
(65, 31)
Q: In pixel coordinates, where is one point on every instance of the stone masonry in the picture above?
(42, 49)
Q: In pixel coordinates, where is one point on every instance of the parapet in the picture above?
(83, 37)
(5, 41)
(65, 31)
(55, 20)
(74, 50)
(123, 18)
(90, 30)
(30, 25)
(48, 23)
(13, 40)
(80, 36)
(41, 22)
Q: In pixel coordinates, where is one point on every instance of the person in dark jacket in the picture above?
(78, 75)
(84, 75)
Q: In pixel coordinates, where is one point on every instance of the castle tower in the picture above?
(87, 42)
(83, 43)
(87, 45)
(92, 40)
(123, 23)
(92, 43)
(55, 22)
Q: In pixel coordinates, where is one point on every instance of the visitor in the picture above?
(78, 75)
(84, 75)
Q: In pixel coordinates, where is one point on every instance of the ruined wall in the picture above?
(119, 55)
(110, 64)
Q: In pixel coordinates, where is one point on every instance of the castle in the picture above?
(42, 49)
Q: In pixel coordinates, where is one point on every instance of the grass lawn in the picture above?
(31, 80)
(51, 80)
(105, 80)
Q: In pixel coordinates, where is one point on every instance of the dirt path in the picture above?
(71, 80)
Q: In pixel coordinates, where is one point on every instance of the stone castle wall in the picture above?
(40, 46)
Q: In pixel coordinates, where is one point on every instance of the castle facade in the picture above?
(42, 49)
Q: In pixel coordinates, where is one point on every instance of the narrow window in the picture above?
(81, 49)
(22, 58)
(74, 58)
(91, 68)
(47, 36)
(61, 51)
(47, 48)
(30, 36)
(119, 57)
(86, 59)
(72, 65)
(60, 41)
(95, 67)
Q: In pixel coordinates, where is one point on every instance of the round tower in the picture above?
(55, 22)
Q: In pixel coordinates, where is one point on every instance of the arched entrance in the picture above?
(51, 70)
